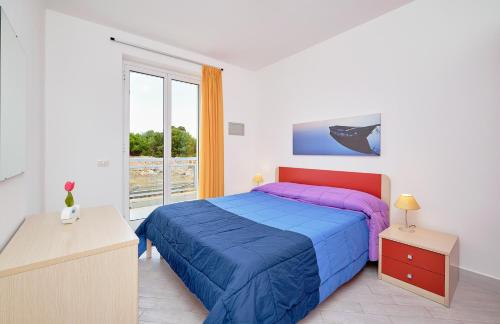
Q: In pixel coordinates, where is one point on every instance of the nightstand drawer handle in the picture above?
(409, 276)
(410, 257)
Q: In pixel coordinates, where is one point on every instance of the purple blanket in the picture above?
(376, 210)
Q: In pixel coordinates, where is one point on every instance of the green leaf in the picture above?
(69, 199)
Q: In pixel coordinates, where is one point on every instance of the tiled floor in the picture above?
(163, 298)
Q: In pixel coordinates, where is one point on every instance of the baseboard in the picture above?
(479, 273)
(482, 280)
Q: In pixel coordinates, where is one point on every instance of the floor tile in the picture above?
(164, 299)
(396, 310)
(170, 316)
(313, 317)
(360, 296)
(331, 317)
(466, 314)
(420, 320)
(415, 300)
(379, 287)
(340, 306)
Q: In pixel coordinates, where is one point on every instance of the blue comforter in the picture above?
(243, 271)
(339, 236)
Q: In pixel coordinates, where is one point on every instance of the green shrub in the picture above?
(150, 143)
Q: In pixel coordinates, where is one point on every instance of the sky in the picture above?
(146, 104)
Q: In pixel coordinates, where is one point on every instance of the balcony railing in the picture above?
(146, 178)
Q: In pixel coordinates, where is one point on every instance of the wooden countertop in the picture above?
(422, 238)
(42, 240)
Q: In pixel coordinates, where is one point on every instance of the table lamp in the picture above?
(406, 202)
(258, 179)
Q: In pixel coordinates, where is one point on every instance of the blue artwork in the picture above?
(344, 136)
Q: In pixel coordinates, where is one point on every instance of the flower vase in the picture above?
(70, 214)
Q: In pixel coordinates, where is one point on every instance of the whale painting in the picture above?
(343, 136)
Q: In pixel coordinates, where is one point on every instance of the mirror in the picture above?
(12, 101)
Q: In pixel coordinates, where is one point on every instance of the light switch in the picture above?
(102, 163)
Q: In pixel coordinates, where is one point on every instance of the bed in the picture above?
(273, 254)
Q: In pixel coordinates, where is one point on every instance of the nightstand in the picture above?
(424, 262)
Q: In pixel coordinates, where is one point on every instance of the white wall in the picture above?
(84, 116)
(22, 194)
(432, 68)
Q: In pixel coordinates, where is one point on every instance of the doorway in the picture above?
(161, 138)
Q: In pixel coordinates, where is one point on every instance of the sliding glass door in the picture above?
(146, 148)
(161, 139)
(183, 168)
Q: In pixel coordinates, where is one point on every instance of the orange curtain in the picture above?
(211, 181)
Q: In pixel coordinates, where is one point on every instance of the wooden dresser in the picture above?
(85, 272)
(424, 262)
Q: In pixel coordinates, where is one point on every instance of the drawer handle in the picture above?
(410, 257)
(409, 276)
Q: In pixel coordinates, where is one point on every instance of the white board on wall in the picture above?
(12, 102)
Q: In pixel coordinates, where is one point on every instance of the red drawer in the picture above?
(424, 279)
(411, 255)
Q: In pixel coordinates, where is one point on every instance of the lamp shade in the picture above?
(258, 179)
(407, 202)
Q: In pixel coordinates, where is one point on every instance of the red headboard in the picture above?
(372, 183)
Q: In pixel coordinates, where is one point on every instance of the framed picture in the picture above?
(343, 136)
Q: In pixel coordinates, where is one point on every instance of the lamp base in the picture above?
(408, 229)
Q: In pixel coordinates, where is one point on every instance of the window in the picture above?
(161, 139)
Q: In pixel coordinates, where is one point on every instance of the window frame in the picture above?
(168, 76)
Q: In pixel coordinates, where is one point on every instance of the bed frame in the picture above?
(372, 183)
(375, 184)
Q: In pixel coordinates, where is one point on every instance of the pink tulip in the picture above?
(69, 185)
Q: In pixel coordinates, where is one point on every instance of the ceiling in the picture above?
(247, 33)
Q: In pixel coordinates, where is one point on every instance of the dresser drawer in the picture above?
(411, 255)
(424, 279)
